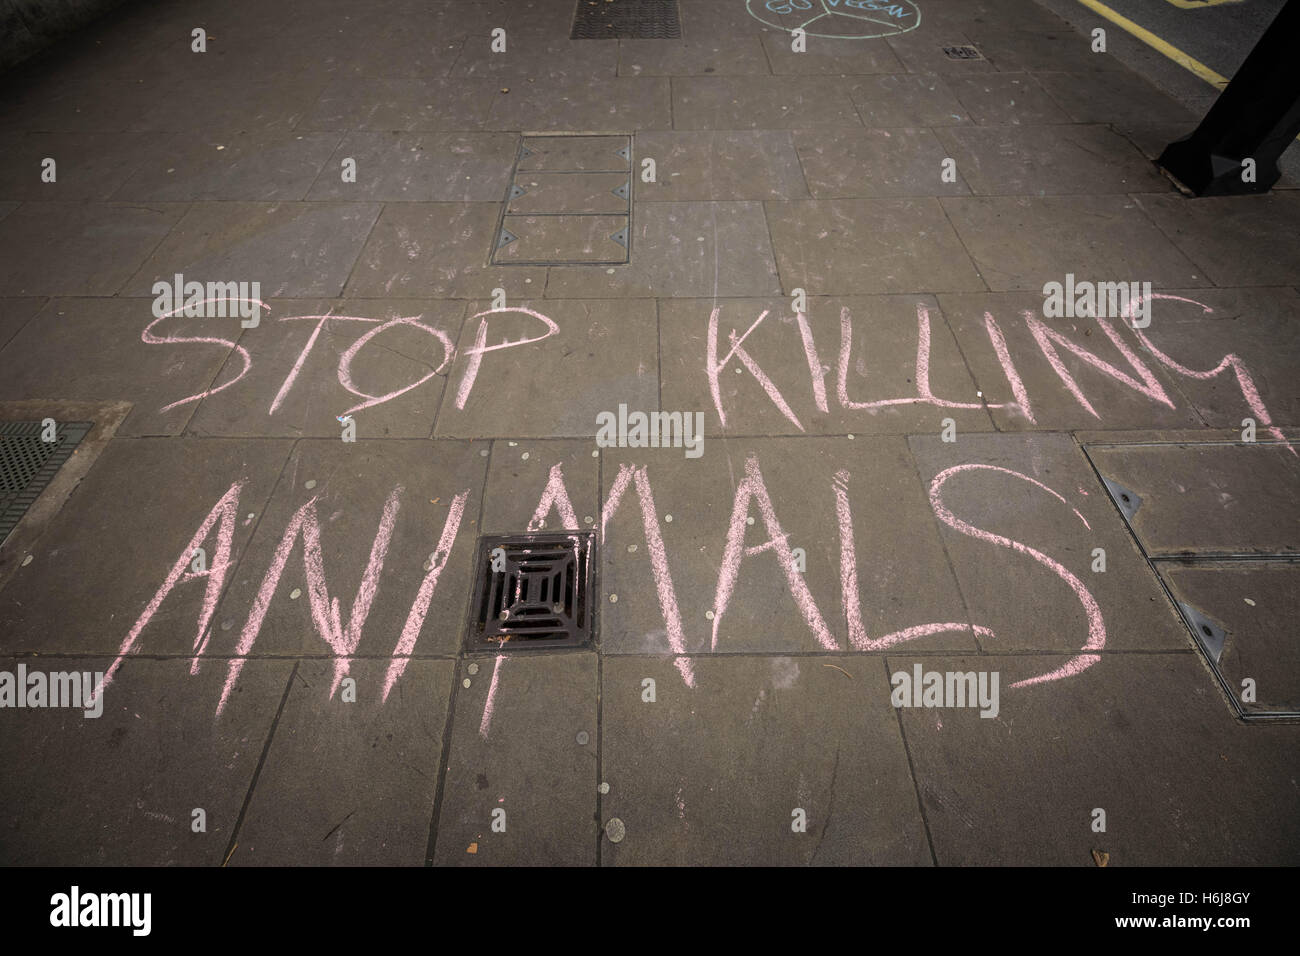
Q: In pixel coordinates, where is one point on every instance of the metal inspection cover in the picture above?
(28, 463)
(563, 240)
(1206, 499)
(538, 193)
(591, 154)
(533, 591)
(626, 20)
(1245, 616)
(963, 52)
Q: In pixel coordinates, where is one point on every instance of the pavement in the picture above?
(910, 465)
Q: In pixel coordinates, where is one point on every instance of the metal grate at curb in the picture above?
(533, 591)
(626, 20)
(28, 464)
(964, 52)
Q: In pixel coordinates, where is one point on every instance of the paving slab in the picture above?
(1048, 160)
(864, 246)
(519, 474)
(515, 748)
(1052, 600)
(734, 56)
(1256, 604)
(824, 56)
(51, 248)
(1017, 242)
(384, 363)
(438, 103)
(682, 249)
(422, 167)
(759, 604)
(530, 59)
(1234, 498)
(100, 565)
(257, 166)
(291, 248)
(922, 52)
(1119, 96)
(200, 103)
(420, 485)
(16, 313)
(574, 104)
(601, 356)
(101, 356)
(875, 163)
(121, 789)
(1005, 99)
(88, 166)
(1251, 242)
(881, 392)
(714, 774)
(1036, 51)
(1035, 384)
(710, 20)
(437, 250)
(1145, 737)
(903, 100)
(753, 102)
(380, 757)
(702, 165)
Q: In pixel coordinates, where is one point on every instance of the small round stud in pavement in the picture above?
(613, 599)
(295, 594)
(27, 560)
(473, 669)
(603, 788)
(615, 830)
(311, 483)
(466, 682)
(582, 738)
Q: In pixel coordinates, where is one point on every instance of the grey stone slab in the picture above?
(291, 248)
(14, 314)
(753, 102)
(105, 557)
(438, 250)
(1152, 138)
(1037, 51)
(921, 51)
(576, 104)
(825, 56)
(1023, 243)
(1259, 326)
(78, 248)
(702, 165)
(1145, 737)
(1256, 604)
(1005, 99)
(682, 249)
(530, 59)
(540, 20)
(766, 607)
(1049, 160)
(906, 100)
(1209, 497)
(603, 354)
(1028, 388)
(519, 475)
(231, 102)
(93, 349)
(354, 484)
(428, 167)
(88, 166)
(446, 103)
(1118, 96)
(7, 207)
(881, 393)
(582, 193)
(710, 20)
(515, 749)
(1253, 241)
(713, 774)
(249, 166)
(121, 789)
(574, 153)
(1052, 601)
(381, 760)
(863, 246)
(404, 50)
(734, 56)
(545, 239)
(303, 352)
(875, 163)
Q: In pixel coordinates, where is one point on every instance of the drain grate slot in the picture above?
(964, 52)
(28, 464)
(626, 20)
(533, 590)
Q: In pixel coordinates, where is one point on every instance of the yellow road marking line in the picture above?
(1217, 80)
(1200, 4)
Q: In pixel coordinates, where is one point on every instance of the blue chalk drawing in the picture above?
(838, 19)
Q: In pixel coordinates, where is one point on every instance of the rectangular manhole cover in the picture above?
(626, 20)
(533, 590)
(28, 462)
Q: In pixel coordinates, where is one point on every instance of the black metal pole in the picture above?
(1255, 118)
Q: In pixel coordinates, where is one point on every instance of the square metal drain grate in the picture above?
(28, 463)
(626, 20)
(533, 590)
